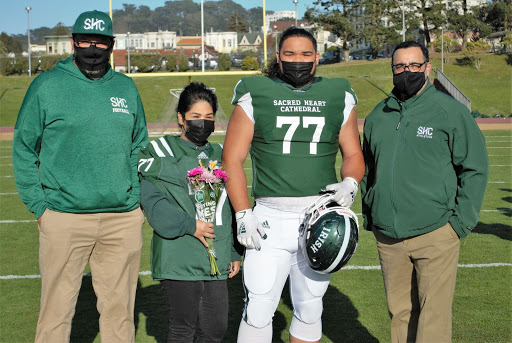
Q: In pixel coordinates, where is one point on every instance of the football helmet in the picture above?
(328, 235)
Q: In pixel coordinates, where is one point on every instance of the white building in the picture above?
(161, 40)
(276, 16)
(224, 42)
(58, 45)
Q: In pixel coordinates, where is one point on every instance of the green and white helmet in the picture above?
(328, 235)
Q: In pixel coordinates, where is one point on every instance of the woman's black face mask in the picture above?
(199, 130)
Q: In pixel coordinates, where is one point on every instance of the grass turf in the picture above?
(355, 306)
(489, 89)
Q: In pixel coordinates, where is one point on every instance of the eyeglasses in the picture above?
(87, 43)
(400, 67)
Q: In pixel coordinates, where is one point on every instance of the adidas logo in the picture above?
(202, 156)
(242, 228)
(265, 225)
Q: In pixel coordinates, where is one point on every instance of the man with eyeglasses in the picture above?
(75, 148)
(426, 174)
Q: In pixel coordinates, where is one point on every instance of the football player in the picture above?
(293, 123)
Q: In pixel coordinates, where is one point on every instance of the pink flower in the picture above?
(209, 177)
(221, 174)
(195, 171)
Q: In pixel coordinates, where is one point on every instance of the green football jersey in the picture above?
(296, 132)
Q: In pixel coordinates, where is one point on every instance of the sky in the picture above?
(13, 16)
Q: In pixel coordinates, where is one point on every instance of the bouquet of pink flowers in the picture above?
(207, 183)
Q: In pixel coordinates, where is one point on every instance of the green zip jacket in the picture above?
(76, 142)
(426, 165)
(165, 197)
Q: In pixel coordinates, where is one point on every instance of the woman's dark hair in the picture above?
(273, 67)
(410, 44)
(193, 93)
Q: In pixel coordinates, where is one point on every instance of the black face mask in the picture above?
(199, 130)
(408, 83)
(91, 61)
(296, 74)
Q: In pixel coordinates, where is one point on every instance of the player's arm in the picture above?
(352, 170)
(350, 146)
(236, 147)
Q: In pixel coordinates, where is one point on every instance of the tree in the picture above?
(236, 23)
(507, 42)
(249, 63)
(224, 62)
(431, 16)
(172, 62)
(449, 45)
(10, 44)
(462, 20)
(494, 14)
(372, 27)
(335, 16)
(60, 30)
(3, 49)
(475, 50)
(182, 63)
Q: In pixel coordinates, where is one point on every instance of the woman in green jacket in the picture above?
(179, 258)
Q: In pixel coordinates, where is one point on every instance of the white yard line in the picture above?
(10, 221)
(349, 267)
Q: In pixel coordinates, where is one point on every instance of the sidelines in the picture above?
(147, 272)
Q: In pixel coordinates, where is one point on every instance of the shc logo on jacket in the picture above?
(119, 105)
(425, 132)
(94, 24)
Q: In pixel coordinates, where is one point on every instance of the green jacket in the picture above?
(426, 165)
(165, 197)
(76, 142)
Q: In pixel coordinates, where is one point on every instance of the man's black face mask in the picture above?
(92, 61)
(408, 83)
(296, 74)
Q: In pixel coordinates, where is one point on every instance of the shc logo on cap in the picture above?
(94, 24)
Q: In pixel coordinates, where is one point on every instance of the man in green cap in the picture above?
(75, 148)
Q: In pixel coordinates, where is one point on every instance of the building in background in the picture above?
(58, 45)
(225, 42)
(279, 15)
(161, 40)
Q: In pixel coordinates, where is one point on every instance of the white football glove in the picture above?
(344, 192)
(249, 229)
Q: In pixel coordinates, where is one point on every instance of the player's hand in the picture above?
(344, 192)
(204, 229)
(249, 229)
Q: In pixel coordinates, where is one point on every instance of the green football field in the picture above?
(354, 306)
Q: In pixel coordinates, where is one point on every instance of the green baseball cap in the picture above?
(93, 22)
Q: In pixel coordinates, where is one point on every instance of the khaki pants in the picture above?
(111, 243)
(419, 278)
